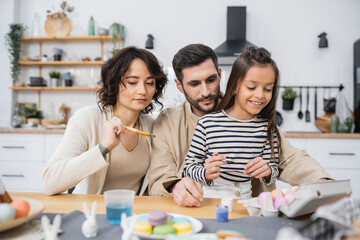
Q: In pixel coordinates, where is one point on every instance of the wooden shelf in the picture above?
(70, 38)
(54, 88)
(61, 63)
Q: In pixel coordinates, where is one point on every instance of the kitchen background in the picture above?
(288, 28)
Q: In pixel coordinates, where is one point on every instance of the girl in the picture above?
(95, 156)
(240, 140)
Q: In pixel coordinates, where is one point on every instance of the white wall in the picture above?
(7, 17)
(288, 28)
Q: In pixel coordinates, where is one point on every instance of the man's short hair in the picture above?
(192, 55)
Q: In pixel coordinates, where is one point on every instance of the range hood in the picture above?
(235, 42)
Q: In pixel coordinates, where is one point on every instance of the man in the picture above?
(198, 78)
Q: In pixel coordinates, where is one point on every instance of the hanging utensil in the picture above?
(307, 112)
(300, 113)
(315, 110)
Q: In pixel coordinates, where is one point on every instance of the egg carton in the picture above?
(310, 196)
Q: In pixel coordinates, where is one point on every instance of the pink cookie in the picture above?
(280, 201)
(157, 217)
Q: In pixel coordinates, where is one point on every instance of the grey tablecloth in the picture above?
(261, 228)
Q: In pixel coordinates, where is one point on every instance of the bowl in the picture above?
(102, 31)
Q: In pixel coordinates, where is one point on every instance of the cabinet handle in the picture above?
(13, 147)
(13, 175)
(342, 154)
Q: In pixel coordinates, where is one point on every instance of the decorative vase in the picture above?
(57, 25)
(288, 104)
(54, 82)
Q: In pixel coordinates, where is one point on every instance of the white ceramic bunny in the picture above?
(128, 225)
(89, 227)
(51, 231)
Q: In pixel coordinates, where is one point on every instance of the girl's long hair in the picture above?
(254, 56)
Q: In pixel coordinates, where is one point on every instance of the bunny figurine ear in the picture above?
(51, 231)
(127, 225)
(89, 226)
(86, 210)
(94, 209)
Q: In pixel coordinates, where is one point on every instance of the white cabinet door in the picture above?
(336, 153)
(52, 141)
(22, 147)
(21, 176)
(298, 142)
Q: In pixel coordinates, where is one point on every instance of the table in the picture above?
(65, 203)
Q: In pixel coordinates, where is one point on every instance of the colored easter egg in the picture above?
(261, 198)
(276, 193)
(280, 201)
(7, 212)
(22, 208)
(290, 196)
(293, 189)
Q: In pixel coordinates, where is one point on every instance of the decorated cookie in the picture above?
(142, 218)
(143, 227)
(164, 229)
(181, 220)
(157, 217)
(228, 233)
(182, 228)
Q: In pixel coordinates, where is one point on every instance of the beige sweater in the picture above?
(78, 161)
(174, 129)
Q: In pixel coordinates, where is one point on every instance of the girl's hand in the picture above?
(257, 168)
(212, 166)
(112, 130)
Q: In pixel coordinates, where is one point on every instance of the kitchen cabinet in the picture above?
(339, 157)
(23, 157)
(40, 64)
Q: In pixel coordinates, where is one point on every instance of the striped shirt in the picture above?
(238, 140)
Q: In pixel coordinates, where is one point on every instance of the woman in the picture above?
(97, 155)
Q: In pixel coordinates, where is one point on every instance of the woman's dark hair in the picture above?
(112, 73)
(192, 55)
(254, 56)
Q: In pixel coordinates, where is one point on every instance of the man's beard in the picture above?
(195, 103)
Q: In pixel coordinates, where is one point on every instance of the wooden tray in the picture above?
(57, 27)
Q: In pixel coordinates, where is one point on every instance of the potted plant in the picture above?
(13, 43)
(33, 116)
(288, 96)
(54, 78)
(117, 30)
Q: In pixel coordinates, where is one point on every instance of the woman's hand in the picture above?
(212, 166)
(112, 130)
(257, 168)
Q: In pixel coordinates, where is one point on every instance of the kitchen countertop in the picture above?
(286, 134)
(32, 130)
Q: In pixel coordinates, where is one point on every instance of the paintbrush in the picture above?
(136, 130)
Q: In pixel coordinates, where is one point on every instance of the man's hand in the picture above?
(188, 193)
(212, 166)
(257, 168)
